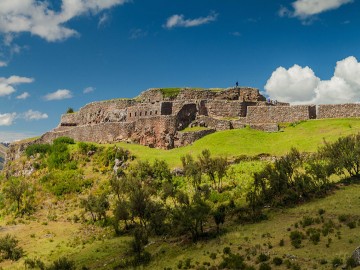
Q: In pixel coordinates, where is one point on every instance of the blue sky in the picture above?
(66, 53)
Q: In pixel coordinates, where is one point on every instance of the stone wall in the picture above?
(279, 114)
(338, 111)
(225, 108)
(142, 110)
(99, 112)
(186, 138)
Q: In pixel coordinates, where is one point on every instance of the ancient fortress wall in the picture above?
(280, 114)
(338, 111)
(225, 108)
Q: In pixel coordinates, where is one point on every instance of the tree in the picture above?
(70, 110)
(219, 216)
(96, 205)
(9, 248)
(192, 170)
(19, 191)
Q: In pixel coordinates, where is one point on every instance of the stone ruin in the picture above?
(159, 117)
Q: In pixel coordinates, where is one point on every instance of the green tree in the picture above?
(18, 190)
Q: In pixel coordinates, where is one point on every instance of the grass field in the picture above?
(306, 136)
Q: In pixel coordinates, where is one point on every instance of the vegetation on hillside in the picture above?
(91, 206)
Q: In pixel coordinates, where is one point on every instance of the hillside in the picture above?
(60, 215)
(3, 150)
(306, 136)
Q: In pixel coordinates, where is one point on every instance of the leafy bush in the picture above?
(264, 266)
(70, 110)
(62, 264)
(64, 140)
(9, 249)
(86, 147)
(296, 238)
(277, 261)
(33, 149)
(65, 182)
(336, 262)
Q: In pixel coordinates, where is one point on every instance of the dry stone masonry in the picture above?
(166, 118)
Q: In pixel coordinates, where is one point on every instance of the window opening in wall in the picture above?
(140, 113)
(130, 114)
(145, 113)
(155, 112)
(150, 112)
(135, 113)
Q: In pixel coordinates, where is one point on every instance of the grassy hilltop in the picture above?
(71, 201)
(306, 136)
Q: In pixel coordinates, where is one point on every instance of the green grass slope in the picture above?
(306, 136)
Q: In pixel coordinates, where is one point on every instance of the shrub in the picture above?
(233, 261)
(33, 149)
(296, 238)
(336, 262)
(9, 249)
(64, 140)
(86, 147)
(70, 110)
(65, 182)
(62, 264)
(262, 258)
(307, 221)
(277, 261)
(264, 266)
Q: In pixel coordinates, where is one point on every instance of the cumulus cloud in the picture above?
(34, 115)
(7, 84)
(180, 21)
(307, 9)
(59, 95)
(88, 90)
(7, 119)
(24, 95)
(37, 18)
(300, 85)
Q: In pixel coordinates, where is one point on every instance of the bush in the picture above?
(336, 262)
(262, 258)
(264, 266)
(64, 140)
(33, 149)
(86, 147)
(296, 238)
(65, 182)
(62, 264)
(70, 110)
(233, 261)
(9, 249)
(277, 261)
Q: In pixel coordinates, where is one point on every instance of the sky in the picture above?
(66, 53)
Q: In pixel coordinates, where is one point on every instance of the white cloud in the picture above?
(180, 21)
(36, 17)
(137, 33)
(3, 64)
(59, 95)
(300, 85)
(7, 84)
(34, 115)
(293, 85)
(7, 119)
(306, 8)
(24, 95)
(88, 90)
(103, 20)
